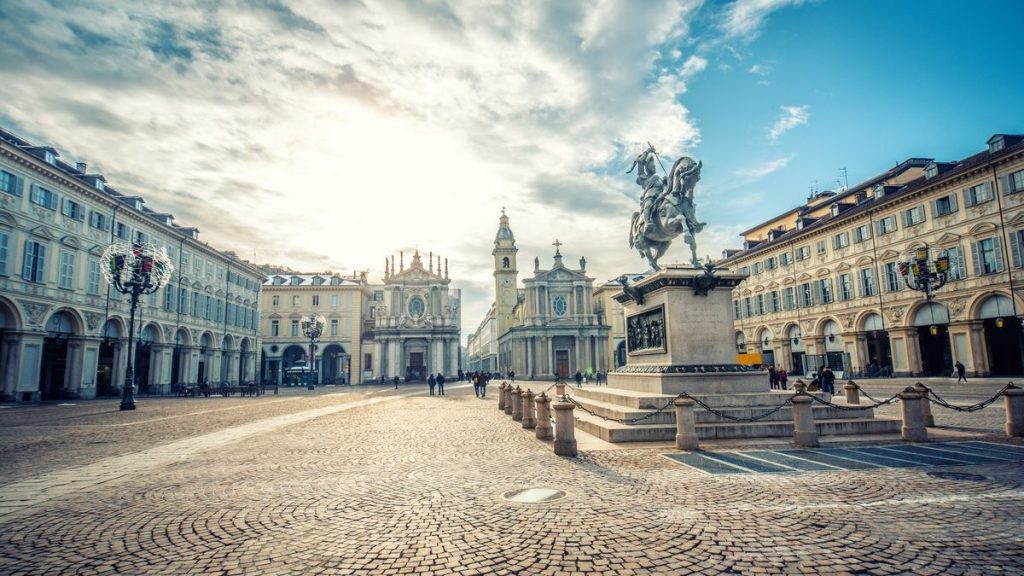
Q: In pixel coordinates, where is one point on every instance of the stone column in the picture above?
(863, 358)
(804, 432)
(979, 349)
(1013, 398)
(9, 378)
(508, 400)
(529, 420)
(551, 355)
(686, 425)
(913, 420)
(852, 392)
(926, 406)
(517, 404)
(913, 351)
(544, 431)
(565, 429)
(74, 370)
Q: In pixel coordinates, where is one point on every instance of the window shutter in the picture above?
(1000, 261)
(26, 266)
(19, 186)
(40, 263)
(968, 198)
(1006, 185)
(953, 207)
(53, 201)
(906, 218)
(920, 213)
(1015, 248)
(976, 258)
(935, 208)
(816, 292)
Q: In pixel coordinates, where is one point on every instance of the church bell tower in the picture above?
(506, 276)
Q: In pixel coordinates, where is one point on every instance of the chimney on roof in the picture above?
(81, 167)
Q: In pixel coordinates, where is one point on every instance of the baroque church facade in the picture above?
(416, 319)
(549, 326)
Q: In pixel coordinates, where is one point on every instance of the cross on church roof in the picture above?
(556, 244)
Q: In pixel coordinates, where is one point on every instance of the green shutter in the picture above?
(1015, 248)
(1000, 260)
(953, 207)
(1006, 184)
(968, 198)
(976, 258)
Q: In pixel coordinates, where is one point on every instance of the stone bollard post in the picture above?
(501, 396)
(852, 392)
(913, 420)
(1014, 399)
(926, 406)
(508, 400)
(559, 389)
(517, 404)
(565, 429)
(686, 425)
(804, 432)
(529, 420)
(543, 417)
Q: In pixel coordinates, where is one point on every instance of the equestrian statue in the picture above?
(666, 207)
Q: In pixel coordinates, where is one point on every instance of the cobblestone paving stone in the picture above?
(413, 486)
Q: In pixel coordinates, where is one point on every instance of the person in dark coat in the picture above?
(773, 377)
(828, 380)
(476, 383)
(440, 383)
(961, 372)
(395, 379)
(431, 382)
(579, 379)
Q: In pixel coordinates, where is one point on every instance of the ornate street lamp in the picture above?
(134, 269)
(922, 273)
(312, 327)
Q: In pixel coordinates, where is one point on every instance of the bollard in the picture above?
(804, 432)
(559, 388)
(529, 421)
(508, 400)
(565, 429)
(1014, 399)
(517, 404)
(543, 417)
(926, 406)
(913, 420)
(686, 426)
(501, 396)
(852, 392)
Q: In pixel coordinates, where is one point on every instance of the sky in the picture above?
(329, 135)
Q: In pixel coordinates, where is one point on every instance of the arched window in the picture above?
(504, 262)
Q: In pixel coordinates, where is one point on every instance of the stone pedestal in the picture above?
(543, 430)
(686, 426)
(565, 431)
(852, 392)
(529, 421)
(517, 404)
(804, 432)
(679, 340)
(1014, 401)
(913, 419)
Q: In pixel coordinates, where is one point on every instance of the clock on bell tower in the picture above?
(505, 275)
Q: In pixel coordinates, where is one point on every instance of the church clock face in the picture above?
(416, 307)
(506, 282)
(559, 306)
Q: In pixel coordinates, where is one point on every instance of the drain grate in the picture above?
(533, 495)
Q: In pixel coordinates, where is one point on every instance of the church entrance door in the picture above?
(562, 363)
(417, 371)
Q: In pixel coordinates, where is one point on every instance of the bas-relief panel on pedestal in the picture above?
(645, 332)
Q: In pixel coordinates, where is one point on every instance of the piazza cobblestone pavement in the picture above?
(372, 480)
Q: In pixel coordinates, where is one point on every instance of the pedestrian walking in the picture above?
(512, 376)
(381, 379)
(828, 380)
(783, 377)
(483, 384)
(961, 372)
(440, 383)
(462, 375)
(579, 379)
(773, 377)
(476, 384)
(395, 380)
(431, 382)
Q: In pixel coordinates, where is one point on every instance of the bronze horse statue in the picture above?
(666, 208)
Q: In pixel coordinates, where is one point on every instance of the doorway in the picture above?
(1004, 346)
(936, 352)
(416, 368)
(562, 363)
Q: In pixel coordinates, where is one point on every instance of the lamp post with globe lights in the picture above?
(134, 269)
(923, 274)
(312, 328)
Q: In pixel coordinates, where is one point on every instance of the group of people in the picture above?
(778, 377)
(480, 380)
(825, 380)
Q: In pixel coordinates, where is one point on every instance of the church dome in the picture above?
(504, 232)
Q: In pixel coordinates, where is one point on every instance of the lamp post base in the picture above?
(128, 399)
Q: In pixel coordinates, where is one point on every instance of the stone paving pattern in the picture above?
(413, 484)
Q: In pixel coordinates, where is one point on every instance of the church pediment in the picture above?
(559, 275)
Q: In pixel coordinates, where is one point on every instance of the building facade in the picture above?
(611, 313)
(340, 355)
(824, 281)
(63, 329)
(555, 330)
(482, 351)
(416, 318)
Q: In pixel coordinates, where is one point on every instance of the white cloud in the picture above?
(744, 18)
(760, 69)
(325, 135)
(792, 116)
(763, 169)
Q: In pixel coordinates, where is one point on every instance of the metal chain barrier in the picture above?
(670, 404)
(852, 407)
(866, 395)
(721, 414)
(939, 401)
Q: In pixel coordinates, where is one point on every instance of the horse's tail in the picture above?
(632, 229)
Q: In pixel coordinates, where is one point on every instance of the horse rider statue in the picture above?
(666, 207)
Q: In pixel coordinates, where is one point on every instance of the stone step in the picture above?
(648, 401)
(701, 415)
(615, 432)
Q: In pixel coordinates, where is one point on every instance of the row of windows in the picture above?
(333, 330)
(972, 196)
(986, 255)
(275, 300)
(200, 305)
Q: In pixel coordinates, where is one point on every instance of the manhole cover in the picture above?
(962, 476)
(533, 495)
